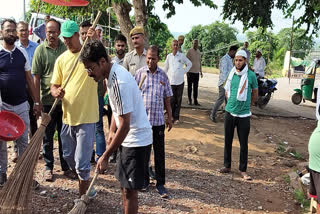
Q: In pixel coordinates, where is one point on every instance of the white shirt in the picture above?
(125, 97)
(225, 66)
(258, 66)
(173, 66)
(318, 103)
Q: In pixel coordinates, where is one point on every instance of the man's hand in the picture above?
(58, 93)
(201, 74)
(92, 33)
(102, 164)
(37, 110)
(169, 124)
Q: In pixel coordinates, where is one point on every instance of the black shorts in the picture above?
(131, 166)
(314, 190)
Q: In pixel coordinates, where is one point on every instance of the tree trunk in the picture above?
(122, 12)
(140, 16)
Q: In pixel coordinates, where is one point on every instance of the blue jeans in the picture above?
(100, 139)
(23, 111)
(77, 146)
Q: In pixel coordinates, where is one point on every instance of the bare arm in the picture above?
(33, 93)
(121, 134)
(36, 81)
(254, 96)
(167, 106)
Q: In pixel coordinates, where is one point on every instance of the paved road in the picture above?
(279, 105)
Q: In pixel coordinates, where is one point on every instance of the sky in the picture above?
(187, 15)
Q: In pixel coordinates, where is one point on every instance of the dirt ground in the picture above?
(194, 153)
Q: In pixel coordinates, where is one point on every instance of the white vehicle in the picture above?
(35, 21)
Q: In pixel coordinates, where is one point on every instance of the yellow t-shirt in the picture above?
(80, 102)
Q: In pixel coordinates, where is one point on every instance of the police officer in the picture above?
(136, 59)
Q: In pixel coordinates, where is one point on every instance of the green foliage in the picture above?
(169, 5)
(261, 40)
(252, 13)
(78, 14)
(257, 14)
(286, 179)
(300, 41)
(159, 33)
(210, 37)
(300, 197)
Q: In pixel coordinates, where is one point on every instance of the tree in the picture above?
(158, 33)
(210, 37)
(265, 41)
(257, 14)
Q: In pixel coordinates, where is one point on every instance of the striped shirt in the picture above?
(154, 90)
(124, 98)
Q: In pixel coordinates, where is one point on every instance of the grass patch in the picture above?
(286, 179)
(55, 136)
(281, 149)
(210, 70)
(299, 196)
(297, 155)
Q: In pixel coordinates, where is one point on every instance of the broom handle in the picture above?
(141, 81)
(92, 183)
(74, 64)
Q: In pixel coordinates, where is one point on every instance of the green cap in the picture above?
(68, 28)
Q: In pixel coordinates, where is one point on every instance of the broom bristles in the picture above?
(81, 206)
(16, 193)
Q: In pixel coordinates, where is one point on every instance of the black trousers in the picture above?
(243, 129)
(55, 123)
(159, 156)
(193, 79)
(176, 100)
(33, 120)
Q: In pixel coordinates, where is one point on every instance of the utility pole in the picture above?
(24, 10)
(291, 41)
(109, 39)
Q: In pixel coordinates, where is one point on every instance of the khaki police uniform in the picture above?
(132, 61)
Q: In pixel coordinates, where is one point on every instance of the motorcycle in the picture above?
(266, 88)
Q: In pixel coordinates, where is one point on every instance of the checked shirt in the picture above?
(154, 90)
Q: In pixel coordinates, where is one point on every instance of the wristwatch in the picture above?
(37, 104)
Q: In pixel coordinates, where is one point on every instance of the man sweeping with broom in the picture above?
(79, 105)
(130, 129)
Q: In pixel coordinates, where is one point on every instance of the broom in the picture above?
(16, 193)
(81, 206)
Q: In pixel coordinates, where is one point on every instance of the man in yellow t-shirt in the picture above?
(79, 106)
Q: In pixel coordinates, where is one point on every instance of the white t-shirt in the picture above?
(125, 97)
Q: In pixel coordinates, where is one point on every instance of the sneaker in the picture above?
(48, 175)
(93, 193)
(197, 104)
(3, 179)
(162, 191)
(213, 119)
(176, 122)
(70, 174)
(151, 173)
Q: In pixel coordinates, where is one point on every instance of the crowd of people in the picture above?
(140, 99)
